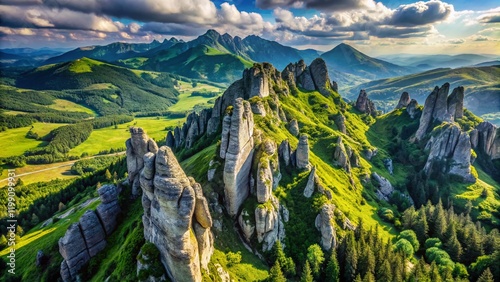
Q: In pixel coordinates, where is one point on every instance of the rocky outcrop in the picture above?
(256, 82)
(41, 259)
(385, 188)
(302, 153)
(309, 189)
(247, 224)
(269, 225)
(404, 100)
(293, 127)
(86, 238)
(175, 210)
(365, 105)
(238, 155)
(319, 74)
(137, 145)
(313, 77)
(456, 103)
(452, 149)
(340, 155)
(485, 138)
(439, 107)
(388, 165)
(324, 224)
(412, 108)
(258, 108)
(285, 152)
(340, 123)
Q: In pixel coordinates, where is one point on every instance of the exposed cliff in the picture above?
(137, 145)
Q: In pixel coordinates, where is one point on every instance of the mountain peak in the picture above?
(211, 33)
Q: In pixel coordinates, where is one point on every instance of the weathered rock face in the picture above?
(340, 123)
(388, 165)
(259, 109)
(174, 210)
(309, 190)
(365, 105)
(86, 238)
(256, 82)
(456, 103)
(40, 258)
(385, 188)
(487, 139)
(302, 153)
(453, 148)
(439, 107)
(324, 224)
(138, 145)
(340, 155)
(238, 156)
(293, 127)
(404, 100)
(245, 222)
(411, 109)
(284, 152)
(269, 225)
(319, 74)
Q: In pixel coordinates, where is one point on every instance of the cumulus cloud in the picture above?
(421, 13)
(322, 5)
(456, 41)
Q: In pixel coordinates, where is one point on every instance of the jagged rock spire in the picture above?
(404, 100)
(137, 145)
(365, 105)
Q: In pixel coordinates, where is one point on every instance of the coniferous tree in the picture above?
(439, 221)
(316, 258)
(434, 273)
(286, 263)
(409, 218)
(332, 272)
(351, 258)
(421, 227)
(369, 277)
(275, 274)
(366, 261)
(473, 247)
(384, 273)
(306, 273)
(358, 278)
(452, 245)
(486, 276)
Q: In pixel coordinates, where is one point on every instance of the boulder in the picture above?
(412, 108)
(309, 189)
(293, 127)
(340, 155)
(404, 100)
(302, 153)
(388, 165)
(259, 109)
(340, 123)
(385, 188)
(324, 224)
(365, 105)
(107, 213)
(319, 74)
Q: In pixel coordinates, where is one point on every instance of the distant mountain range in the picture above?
(482, 87)
(428, 62)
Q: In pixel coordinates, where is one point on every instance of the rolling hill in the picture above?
(103, 87)
(482, 95)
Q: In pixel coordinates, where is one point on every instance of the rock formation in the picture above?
(340, 123)
(388, 165)
(365, 105)
(404, 100)
(293, 127)
(309, 190)
(412, 108)
(453, 147)
(324, 224)
(340, 155)
(486, 139)
(269, 225)
(86, 238)
(439, 107)
(285, 152)
(238, 155)
(313, 77)
(302, 153)
(175, 210)
(385, 188)
(137, 145)
(456, 103)
(268, 174)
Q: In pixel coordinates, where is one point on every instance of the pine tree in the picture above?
(286, 263)
(434, 273)
(358, 278)
(452, 245)
(351, 258)
(316, 258)
(107, 174)
(421, 227)
(369, 277)
(487, 276)
(332, 271)
(384, 273)
(306, 273)
(275, 274)
(439, 219)
(409, 218)
(473, 247)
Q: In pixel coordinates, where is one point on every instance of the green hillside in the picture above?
(202, 62)
(103, 87)
(482, 94)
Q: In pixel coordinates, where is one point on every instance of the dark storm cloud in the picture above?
(491, 19)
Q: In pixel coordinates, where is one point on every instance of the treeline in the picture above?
(87, 166)
(10, 121)
(206, 94)
(452, 241)
(38, 202)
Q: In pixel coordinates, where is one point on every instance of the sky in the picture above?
(377, 28)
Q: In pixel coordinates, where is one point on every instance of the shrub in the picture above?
(433, 242)
(404, 246)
